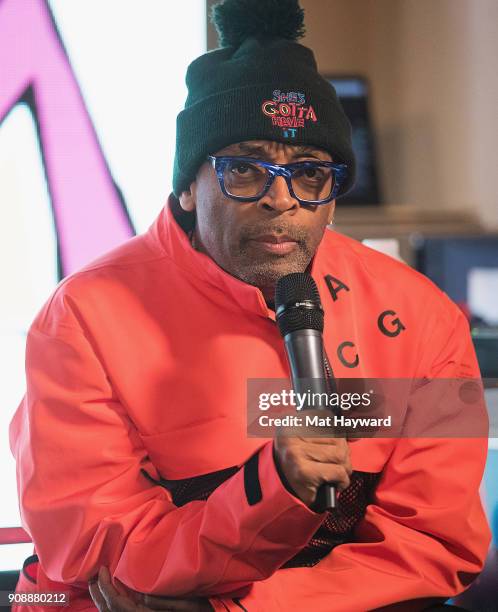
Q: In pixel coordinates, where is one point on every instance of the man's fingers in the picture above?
(337, 454)
(97, 597)
(338, 475)
(107, 591)
(174, 604)
(122, 589)
(108, 599)
(321, 439)
(105, 581)
(115, 602)
(167, 603)
(326, 454)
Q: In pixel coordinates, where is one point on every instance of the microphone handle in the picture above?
(326, 498)
(306, 360)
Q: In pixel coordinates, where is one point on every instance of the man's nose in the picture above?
(278, 197)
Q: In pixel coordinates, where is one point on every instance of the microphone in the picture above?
(300, 317)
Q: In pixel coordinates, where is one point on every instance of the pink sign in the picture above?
(89, 213)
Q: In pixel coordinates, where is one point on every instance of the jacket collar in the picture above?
(171, 231)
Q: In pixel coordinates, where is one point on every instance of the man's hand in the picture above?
(108, 599)
(307, 463)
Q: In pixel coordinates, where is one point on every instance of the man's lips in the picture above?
(280, 244)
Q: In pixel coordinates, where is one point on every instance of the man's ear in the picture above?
(187, 199)
(330, 216)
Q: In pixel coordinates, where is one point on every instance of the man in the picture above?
(131, 440)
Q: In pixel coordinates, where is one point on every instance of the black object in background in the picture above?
(448, 262)
(486, 346)
(300, 321)
(353, 92)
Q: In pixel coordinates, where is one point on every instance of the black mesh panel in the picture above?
(336, 529)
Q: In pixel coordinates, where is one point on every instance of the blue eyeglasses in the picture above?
(247, 179)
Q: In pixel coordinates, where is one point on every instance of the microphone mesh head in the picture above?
(297, 303)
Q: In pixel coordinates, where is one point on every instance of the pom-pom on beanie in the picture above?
(261, 84)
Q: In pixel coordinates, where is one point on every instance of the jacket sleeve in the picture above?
(85, 502)
(424, 537)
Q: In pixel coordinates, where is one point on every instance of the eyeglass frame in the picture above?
(285, 170)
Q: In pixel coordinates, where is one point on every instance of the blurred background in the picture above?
(89, 93)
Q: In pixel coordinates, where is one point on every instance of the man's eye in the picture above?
(315, 174)
(241, 168)
(311, 172)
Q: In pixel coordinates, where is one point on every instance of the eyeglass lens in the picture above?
(248, 180)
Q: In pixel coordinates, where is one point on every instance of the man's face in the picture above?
(258, 242)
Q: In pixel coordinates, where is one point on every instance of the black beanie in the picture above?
(260, 85)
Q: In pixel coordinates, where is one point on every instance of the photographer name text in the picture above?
(325, 421)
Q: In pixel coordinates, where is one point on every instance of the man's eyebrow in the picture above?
(302, 150)
(259, 150)
(252, 149)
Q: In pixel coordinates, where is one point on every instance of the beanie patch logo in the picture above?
(289, 111)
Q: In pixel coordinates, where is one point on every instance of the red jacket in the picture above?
(138, 365)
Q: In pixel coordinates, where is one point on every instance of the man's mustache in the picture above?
(252, 232)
